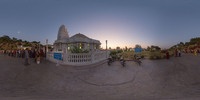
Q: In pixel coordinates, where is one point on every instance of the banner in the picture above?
(138, 50)
(58, 56)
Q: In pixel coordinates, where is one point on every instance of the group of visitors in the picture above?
(191, 51)
(177, 52)
(195, 51)
(21, 53)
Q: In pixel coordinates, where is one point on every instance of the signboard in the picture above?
(58, 56)
(138, 50)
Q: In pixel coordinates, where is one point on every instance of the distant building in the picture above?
(21, 47)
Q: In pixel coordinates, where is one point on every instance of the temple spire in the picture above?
(62, 33)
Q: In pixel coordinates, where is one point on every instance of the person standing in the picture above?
(176, 53)
(36, 55)
(19, 53)
(195, 52)
(33, 55)
(26, 57)
(179, 53)
(5, 52)
(167, 55)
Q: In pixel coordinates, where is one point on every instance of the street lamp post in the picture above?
(106, 50)
(39, 45)
(46, 47)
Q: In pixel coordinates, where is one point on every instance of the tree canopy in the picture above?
(138, 46)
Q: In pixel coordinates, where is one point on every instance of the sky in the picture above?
(122, 22)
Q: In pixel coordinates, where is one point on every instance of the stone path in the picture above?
(177, 79)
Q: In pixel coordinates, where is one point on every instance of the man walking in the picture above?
(26, 57)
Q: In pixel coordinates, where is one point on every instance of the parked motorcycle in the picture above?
(110, 60)
(137, 60)
(123, 62)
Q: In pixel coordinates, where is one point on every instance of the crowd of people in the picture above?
(177, 52)
(191, 51)
(21, 53)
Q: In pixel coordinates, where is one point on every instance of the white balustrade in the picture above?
(80, 58)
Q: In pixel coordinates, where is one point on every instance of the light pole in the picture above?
(39, 45)
(106, 50)
(46, 47)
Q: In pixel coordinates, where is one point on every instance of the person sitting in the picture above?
(135, 57)
(121, 58)
(109, 58)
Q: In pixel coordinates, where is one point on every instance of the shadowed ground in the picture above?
(177, 78)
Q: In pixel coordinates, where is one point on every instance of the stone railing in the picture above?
(79, 58)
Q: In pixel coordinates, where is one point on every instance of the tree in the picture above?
(5, 38)
(19, 43)
(14, 39)
(35, 42)
(20, 40)
(126, 49)
(137, 46)
(27, 45)
(148, 48)
(155, 47)
(182, 44)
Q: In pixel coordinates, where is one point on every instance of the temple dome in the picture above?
(82, 38)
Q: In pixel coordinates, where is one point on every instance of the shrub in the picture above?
(152, 51)
(78, 50)
(151, 57)
(158, 57)
(85, 51)
(115, 57)
(119, 51)
(27, 45)
(142, 56)
(164, 56)
(163, 51)
(125, 56)
(113, 52)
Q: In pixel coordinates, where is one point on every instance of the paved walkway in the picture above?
(177, 79)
